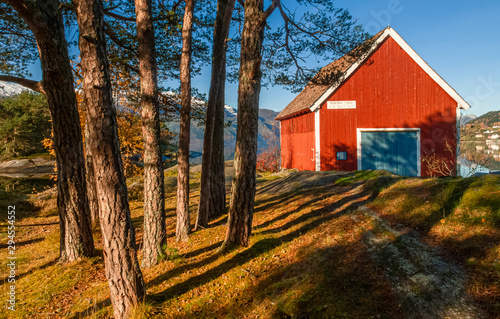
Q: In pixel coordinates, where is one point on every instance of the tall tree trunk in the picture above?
(183, 220)
(155, 236)
(45, 21)
(120, 256)
(90, 178)
(217, 199)
(241, 206)
(212, 189)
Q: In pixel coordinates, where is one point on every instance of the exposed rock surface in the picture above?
(33, 167)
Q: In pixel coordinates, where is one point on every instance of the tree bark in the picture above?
(212, 189)
(120, 257)
(154, 200)
(241, 206)
(183, 220)
(45, 21)
(90, 179)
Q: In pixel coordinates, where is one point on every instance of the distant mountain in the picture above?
(487, 120)
(8, 89)
(268, 133)
(464, 119)
(268, 127)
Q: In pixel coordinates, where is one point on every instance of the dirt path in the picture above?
(425, 284)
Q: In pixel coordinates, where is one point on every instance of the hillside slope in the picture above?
(324, 245)
(487, 120)
(268, 133)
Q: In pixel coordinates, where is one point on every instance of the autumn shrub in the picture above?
(269, 159)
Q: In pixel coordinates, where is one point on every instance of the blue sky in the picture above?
(460, 40)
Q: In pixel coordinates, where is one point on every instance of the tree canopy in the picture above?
(24, 124)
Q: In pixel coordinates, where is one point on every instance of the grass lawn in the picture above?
(306, 256)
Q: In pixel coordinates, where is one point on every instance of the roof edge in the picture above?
(289, 116)
(390, 32)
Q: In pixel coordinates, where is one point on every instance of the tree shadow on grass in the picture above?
(22, 206)
(453, 194)
(23, 243)
(319, 192)
(314, 219)
(338, 281)
(257, 249)
(328, 208)
(30, 271)
(486, 277)
(91, 310)
(200, 251)
(300, 180)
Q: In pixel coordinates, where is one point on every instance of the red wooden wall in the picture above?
(297, 142)
(391, 91)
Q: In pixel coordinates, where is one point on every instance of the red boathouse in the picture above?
(378, 107)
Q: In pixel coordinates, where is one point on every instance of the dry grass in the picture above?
(462, 216)
(306, 258)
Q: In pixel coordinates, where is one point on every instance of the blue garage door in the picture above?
(395, 152)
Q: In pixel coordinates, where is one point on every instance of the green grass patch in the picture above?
(305, 258)
(462, 215)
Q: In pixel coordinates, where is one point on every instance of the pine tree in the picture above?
(120, 252)
(183, 220)
(45, 21)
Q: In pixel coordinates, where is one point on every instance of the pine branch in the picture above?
(30, 84)
(119, 17)
(270, 9)
(112, 35)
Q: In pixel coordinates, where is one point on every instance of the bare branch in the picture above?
(30, 84)
(119, 17)
(112, 35)
(287, 37)
(67, 6)
(270, 9)
(128, 66)
(314, 34)
(176, 5)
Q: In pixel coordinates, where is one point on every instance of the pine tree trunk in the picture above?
(90, 178)
(218, 179)
(183, 220)
(243, 189)
(212, 189)
(46, 22)
(120, 252)
(155, 236)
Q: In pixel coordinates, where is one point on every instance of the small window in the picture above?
(341, 156)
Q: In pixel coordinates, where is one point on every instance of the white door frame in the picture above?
(317, 140)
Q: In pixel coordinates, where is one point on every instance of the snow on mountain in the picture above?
(464, 119)
(230, 110)
(9, 89)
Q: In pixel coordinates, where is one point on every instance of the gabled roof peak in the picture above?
(330, 77)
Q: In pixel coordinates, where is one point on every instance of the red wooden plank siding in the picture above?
(297, 142)
(391, 91)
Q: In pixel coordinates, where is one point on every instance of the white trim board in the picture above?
(317, 140)
(390, 32)
(397, 129)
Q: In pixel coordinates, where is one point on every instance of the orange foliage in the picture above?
(269, 160)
